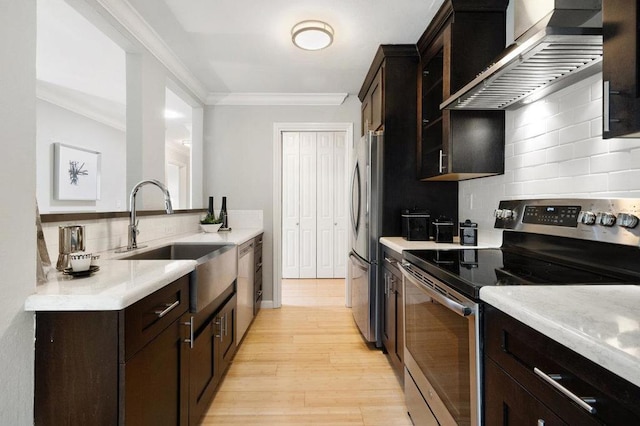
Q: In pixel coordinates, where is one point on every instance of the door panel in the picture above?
(340, 214)
(325, 204)
(290, 205)
(308, 205)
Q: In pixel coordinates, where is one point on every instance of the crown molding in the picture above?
(273, 99)
(103, 111)
(134, 23)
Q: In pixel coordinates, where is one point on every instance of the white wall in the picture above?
(554, 148)
(17, 209)
(56, 124)
(238, 157)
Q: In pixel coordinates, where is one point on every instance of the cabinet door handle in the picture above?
(168, 309)
(583, 402)
(441, 162)
(218, 321)
(606, 106)
(190, 339)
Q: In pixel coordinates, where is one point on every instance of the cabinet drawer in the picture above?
(145, 319)
(519, 349)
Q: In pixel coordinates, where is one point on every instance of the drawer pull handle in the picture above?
(168, 309)
(581, 401)
(391, 261)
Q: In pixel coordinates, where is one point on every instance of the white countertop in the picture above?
(120, 283)
(602, 323)
(399, 244)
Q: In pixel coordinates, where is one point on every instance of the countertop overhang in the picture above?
(120, 283)
(601, 323)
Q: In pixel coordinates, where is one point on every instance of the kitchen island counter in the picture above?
(600, 322)
(120, 283)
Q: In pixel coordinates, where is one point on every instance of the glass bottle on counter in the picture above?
(223, 214)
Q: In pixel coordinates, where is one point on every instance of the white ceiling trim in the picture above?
(101, 110)
(271, 99)
(133, 22)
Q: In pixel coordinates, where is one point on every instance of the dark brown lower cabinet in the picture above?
(115, 367)
(516, 393)
(392, 310)
(213, 348)
(156, 379)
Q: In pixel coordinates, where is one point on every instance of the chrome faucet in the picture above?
(133, 223)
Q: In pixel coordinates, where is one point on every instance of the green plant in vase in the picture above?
(210, 219)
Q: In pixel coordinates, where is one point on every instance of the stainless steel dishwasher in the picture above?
(245, 293)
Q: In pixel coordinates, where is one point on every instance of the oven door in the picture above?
(442, 352)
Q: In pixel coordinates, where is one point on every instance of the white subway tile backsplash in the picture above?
(596, 127)
(628, 180)
(575, 133)
(596, 90)
(625, 144)
(536, 143)
(560, 153)
(579, 96)
(534, 158)
(560, 121)
(589, 147)
(610, 162)
(588, 112)
(588, 185)
(576, 167)
(554, 148)
(529, 131)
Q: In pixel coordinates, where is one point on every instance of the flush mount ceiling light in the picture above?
(312, 35)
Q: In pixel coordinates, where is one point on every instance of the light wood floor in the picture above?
(306, 363)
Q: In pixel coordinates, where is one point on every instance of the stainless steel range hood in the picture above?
(560, 49)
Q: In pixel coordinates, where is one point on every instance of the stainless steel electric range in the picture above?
(545, 242)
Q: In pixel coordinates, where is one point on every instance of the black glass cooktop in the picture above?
(467, 270)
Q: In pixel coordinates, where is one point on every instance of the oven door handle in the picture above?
(450, 304)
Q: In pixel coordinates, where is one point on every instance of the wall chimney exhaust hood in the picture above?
(561, 48)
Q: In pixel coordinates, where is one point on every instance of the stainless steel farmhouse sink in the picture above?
(216, 269)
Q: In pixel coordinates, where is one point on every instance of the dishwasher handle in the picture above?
(452, 305)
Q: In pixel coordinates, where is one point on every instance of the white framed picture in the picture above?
(76, 173)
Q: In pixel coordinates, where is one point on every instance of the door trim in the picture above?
(278, 128)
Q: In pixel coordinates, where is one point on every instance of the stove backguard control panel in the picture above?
(552, 215)
(597, 219)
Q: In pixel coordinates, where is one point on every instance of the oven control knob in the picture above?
(504, 214)
(606, 219)
(627, 220)
(586, 217)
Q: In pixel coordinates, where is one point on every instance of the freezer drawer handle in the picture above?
(581, 401)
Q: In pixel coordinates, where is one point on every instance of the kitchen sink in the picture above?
(179, 251)
(216, 269)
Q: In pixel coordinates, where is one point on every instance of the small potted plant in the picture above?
(210, 223)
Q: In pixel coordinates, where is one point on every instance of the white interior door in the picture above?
(290, 205)
(340, 212)
(326, 195)
(314, 205)
(308, 205)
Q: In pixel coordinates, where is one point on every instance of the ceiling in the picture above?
(244, 46)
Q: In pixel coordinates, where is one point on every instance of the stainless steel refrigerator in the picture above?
(366, 229)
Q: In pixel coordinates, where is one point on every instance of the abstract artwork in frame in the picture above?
(76, 173)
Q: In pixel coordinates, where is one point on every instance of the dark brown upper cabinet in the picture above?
(463, 39)
(620, 69)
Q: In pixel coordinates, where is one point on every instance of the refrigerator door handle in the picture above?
(355, 195)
